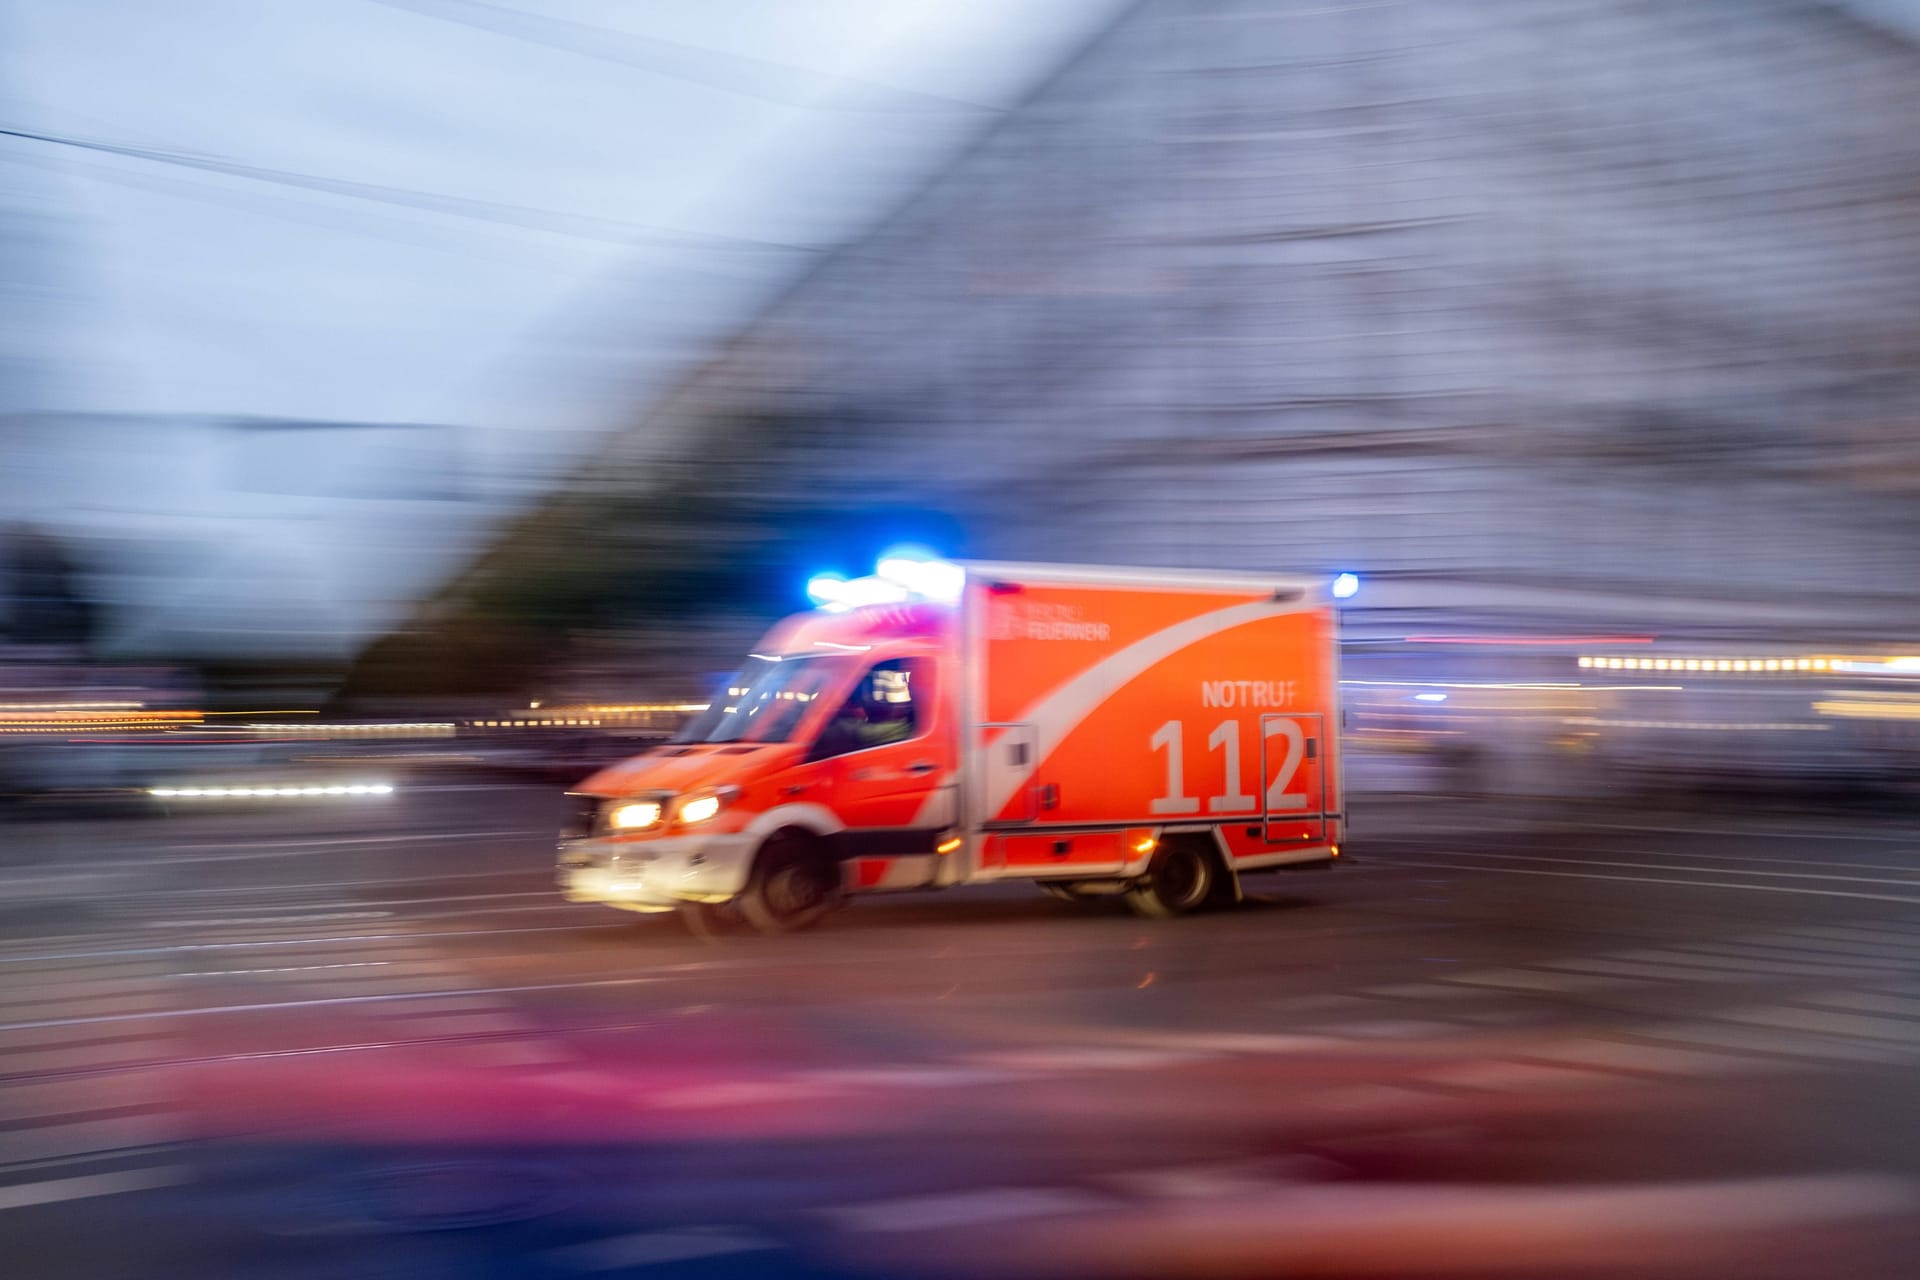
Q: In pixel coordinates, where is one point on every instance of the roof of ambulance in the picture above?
(1139, 577)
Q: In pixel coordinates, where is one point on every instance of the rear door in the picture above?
(1293, 762)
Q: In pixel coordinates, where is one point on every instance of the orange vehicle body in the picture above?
(1054, 723)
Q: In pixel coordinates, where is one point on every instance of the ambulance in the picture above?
(1146, 733)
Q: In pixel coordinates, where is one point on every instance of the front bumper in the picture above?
(654, 875)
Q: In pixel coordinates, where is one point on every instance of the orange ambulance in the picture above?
(1145, 732)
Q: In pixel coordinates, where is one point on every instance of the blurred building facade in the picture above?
(1580, 312)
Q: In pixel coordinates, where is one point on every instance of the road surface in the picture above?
(371, 1040)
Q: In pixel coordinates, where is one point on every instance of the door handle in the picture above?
(922, 766)
(793, 790)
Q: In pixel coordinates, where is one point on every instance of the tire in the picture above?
(713, 921)
(1181, 878)
(792, 886)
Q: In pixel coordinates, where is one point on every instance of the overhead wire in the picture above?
(716, 69)
(552, 221)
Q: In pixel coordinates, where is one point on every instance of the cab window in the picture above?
(767, 701)
(892, 703)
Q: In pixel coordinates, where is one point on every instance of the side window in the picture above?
(890, 704)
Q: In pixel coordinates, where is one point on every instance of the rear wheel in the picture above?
(1180, 879)
(793, 884)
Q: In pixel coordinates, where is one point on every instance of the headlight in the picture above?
(700, 810)
(633, 815)
(702, 807)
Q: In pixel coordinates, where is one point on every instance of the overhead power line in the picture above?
(731, 72)
(583, 226)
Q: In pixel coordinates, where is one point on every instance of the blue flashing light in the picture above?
(826, 588)
(1345, 585)
(925, 576)
(903, 574)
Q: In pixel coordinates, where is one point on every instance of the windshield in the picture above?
(766, 701)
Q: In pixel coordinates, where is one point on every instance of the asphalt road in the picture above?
(371, 1040)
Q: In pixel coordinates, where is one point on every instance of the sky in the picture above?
(519, 217)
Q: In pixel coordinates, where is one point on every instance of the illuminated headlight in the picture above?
(700, 808)
(633, 815)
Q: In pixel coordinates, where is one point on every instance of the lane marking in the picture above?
(1858, 1026)
(279, 899)
(228, 922)
(86, 1137)
(267, 1006)
(1902, 838)
(25, 1195)
(544, 876)
(1748, 964)
(1771, 1043)
(29, 1013)
(1686, 884)
(180, 948)
(914, 949)
(43, 1098)
(1803, 952)
(89, 993)
(1802, 861)
(1618, 1055)
(39, 1061)
(297, 968)
(1436, 990)
(1634, 969)
(331, 841)
(1664, 866)
(1870, 935)
(1867, 1002)
(1534, 980)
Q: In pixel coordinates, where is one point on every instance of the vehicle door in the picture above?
(884, 761)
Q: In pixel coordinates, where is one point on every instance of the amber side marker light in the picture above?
(947, 846)
(1336, 850)
(1146, 846)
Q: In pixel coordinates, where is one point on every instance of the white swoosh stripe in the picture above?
(1060, 712)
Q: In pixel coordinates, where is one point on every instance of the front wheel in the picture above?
(713, 921)
(793, 884)
(1180, 879)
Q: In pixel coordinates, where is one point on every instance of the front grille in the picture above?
(583, 817)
